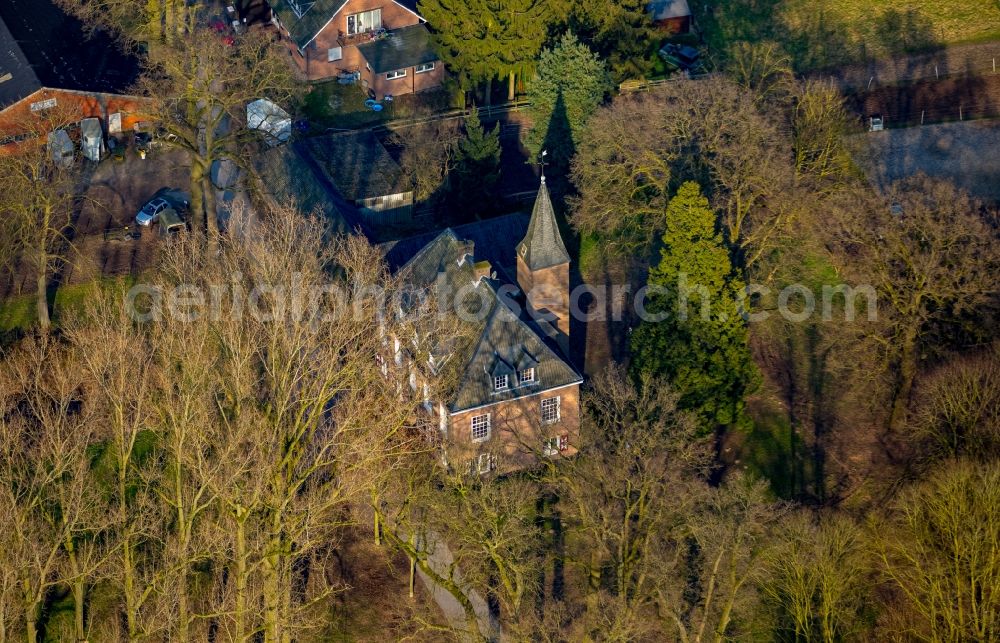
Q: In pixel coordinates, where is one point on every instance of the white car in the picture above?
(151, 211)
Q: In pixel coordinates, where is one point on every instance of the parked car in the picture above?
(61, 148)
(875, 123)
(682, 57)
(171, 223)
(151, 211)
(92, 138)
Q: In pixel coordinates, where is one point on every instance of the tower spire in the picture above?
(542, 245)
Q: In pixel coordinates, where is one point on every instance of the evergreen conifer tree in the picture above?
(702, 345)
(481, 40)
(477, 164)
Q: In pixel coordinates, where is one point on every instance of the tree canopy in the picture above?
(701, 346)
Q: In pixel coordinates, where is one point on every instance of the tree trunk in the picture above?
(79, 593)
(211, 215)
(31, 621)
(128, 573)
(241, 581)
(488, 99)
(593, 581)
(907, 374)
(198, 196)
(511, 86)
(41, 293)
(272, 591)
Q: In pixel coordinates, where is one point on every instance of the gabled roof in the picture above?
(503, 338)
(304, 19)
(491, 238)
(402, 48)
(287, 177)
(508, 339)
(358, 165)
(667, 9)
(43, 47)
(542, 246)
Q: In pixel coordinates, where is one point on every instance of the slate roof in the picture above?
(357, 165)
(41, 46)
(287, 177)
(402, 48)
(542, 246)
(505, 340)
(666, 9)
(507, 343)
(492, 239)
(303, 29)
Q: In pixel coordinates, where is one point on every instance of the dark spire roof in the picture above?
(542, 246)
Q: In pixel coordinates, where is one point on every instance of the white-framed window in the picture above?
(393, 75)
(423, 68)
(48, 103)
(552, 446)
(527, 376)
(480, 425)
(485, 463)
(501, 382)
(550, 410)
(364, 21)
(334, 53)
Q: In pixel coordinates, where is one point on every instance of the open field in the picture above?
(825, 33)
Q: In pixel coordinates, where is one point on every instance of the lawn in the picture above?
(18, 313)
(332, 105)
(827, 33)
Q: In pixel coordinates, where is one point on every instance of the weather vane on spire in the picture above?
(542, 163)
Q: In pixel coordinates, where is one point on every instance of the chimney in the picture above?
(482, 269)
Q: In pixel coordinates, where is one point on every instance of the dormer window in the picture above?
(527, 376)
(501, 382)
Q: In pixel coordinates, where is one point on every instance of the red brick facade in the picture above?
(517, 433)
(314, 62)
(80, 104)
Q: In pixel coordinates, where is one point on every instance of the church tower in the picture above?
(543, 268)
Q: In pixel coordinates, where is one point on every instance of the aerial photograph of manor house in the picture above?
(490, 321)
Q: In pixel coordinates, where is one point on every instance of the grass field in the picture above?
(333, 105)
(827, 33)
(18, 313)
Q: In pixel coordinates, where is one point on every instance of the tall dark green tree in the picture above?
(481, 40)
(701, 344)
(477, 164)
(619, 30)
(570, 84)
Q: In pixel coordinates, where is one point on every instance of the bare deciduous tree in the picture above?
(940, 550)
(36, 201)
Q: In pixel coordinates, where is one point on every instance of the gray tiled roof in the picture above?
(287, 177)
(358, 165)
(493, 239)
(543, 246)
(503, 338)
(42, 46)
(315, 15)
(507, 340)
(666, 9)
(401, 49)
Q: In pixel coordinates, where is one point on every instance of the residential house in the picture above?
(285, 177)
(365, 175)
(671, 16)
(48, 59)
(516, 397)
(383, 44)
